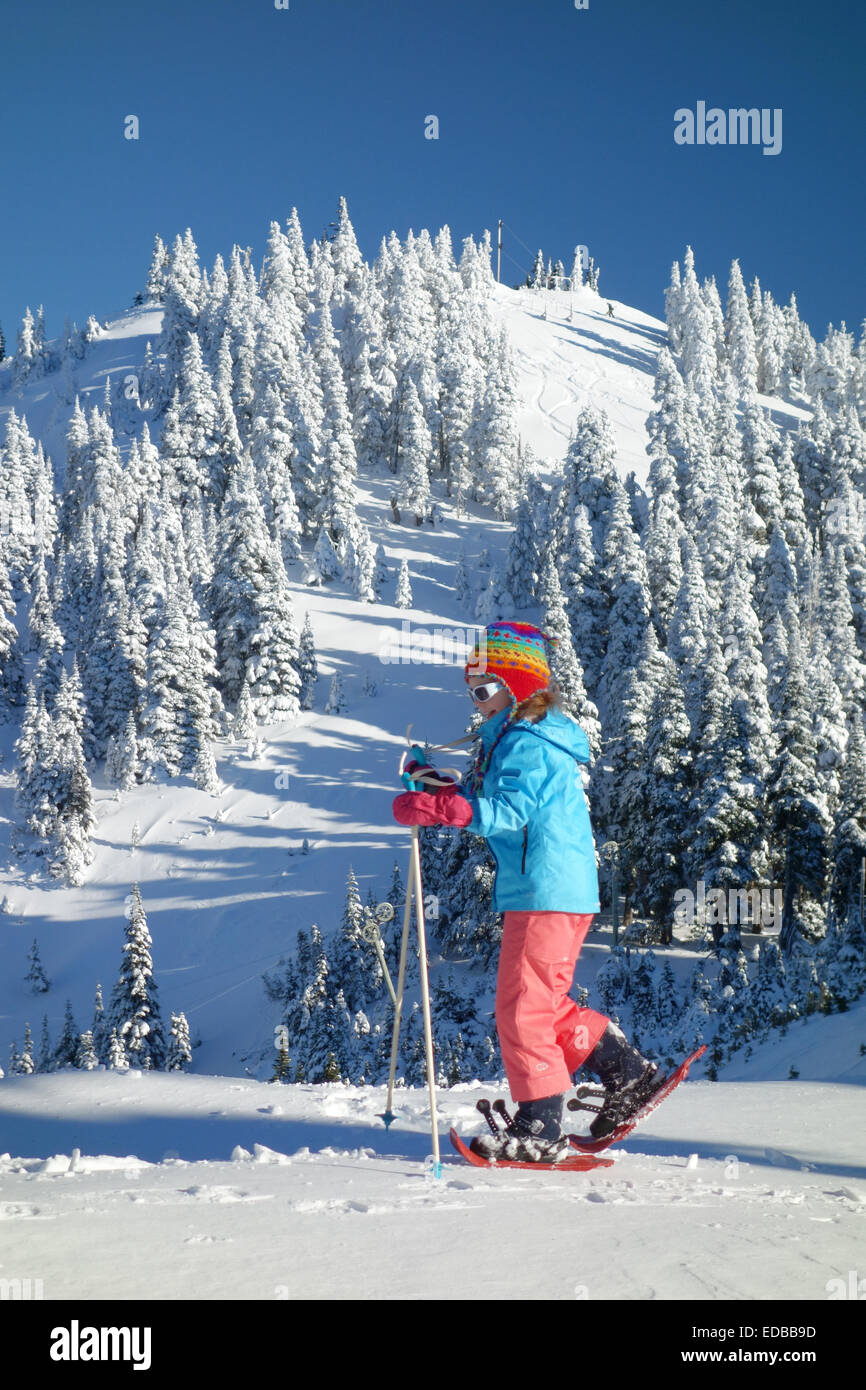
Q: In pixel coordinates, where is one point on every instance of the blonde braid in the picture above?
(475, 778)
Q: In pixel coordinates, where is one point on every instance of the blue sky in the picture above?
(559, 120)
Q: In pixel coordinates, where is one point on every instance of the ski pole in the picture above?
(388, 1116)
(425, 1001)
(414, 888)
(398, 1003)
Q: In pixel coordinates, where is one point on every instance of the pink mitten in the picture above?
(454, 809)
(415, 808)
(444, 807)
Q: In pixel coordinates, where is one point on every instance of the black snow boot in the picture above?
(629, 1079)
(536, 1135)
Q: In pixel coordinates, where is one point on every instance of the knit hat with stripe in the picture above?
(517, 653)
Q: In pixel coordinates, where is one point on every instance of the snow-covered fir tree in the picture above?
(403, 595)
(25, 1063)
(252, 607)
(204, 771)
(338, 503)
(122, 764)
(326, 561)
(134, 1014)
(336, 696)
(45, 1056)
(308, 670)
(36, 977)
(179, 1054)
(66, 1047)
(53, 788)
(244, 723)
(85, 1057)
(799, 815)
(355, 967)
(116, 1058)
(413, 453)
(98, 1026)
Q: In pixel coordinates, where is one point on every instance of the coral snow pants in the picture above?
(543, 1035)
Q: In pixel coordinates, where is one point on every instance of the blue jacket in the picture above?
(533, 813)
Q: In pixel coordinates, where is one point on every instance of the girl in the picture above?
(524, 794)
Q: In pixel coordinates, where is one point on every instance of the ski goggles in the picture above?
(482, 693)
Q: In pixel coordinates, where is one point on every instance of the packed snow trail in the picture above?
(248, 1190)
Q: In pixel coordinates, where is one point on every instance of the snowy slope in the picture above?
(223, 884)
(578, 356)
(238, 1189)
(736, 1189)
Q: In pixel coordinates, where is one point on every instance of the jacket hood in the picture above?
(556, 728)
(563, 732)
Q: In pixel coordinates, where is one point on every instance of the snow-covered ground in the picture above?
(741, 1189)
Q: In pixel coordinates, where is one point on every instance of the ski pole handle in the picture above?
(406, 778)
(417, 756)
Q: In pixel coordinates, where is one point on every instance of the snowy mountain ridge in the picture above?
(198, 884)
